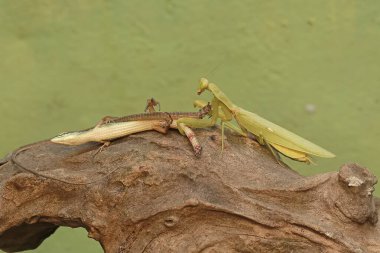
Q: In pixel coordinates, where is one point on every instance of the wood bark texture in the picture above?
(148, 193)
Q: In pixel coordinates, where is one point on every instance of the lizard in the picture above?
(152, 114)
(103, 133)
(110, 128)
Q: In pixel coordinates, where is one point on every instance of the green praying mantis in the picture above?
(276, 138)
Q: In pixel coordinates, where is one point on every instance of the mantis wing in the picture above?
(275, 134)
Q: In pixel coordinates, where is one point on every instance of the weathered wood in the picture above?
(161, 198)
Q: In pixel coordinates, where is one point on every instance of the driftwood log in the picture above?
(151, 194)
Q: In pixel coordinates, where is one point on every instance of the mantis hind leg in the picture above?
(194, 123)
(261, 140)
(225, 115)
(274, 152)
(222, 136)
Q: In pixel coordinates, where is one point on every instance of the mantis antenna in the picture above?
(218, 65)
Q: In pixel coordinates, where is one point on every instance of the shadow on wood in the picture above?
(151, 194)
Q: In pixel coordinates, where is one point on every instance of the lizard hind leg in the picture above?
(105, 144)
(150, 104)
(105, 120)
(161, 127)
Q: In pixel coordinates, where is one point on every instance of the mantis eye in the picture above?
(204, 82)
(202, 85)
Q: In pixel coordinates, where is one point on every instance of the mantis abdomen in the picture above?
(281, 139)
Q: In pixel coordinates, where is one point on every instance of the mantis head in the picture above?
(203, 85)
(67, 138)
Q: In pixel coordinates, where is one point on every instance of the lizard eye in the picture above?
(62, 134)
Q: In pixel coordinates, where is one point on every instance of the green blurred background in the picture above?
(312, 67)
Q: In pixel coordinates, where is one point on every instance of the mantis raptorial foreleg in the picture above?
(202, 104)
(193, 123)
(222, 112)
(200, 123)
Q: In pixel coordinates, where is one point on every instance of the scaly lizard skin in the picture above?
(110, 128)
(103, 133)
(109, 131)
(168, 116)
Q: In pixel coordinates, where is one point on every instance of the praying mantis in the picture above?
(276, 138)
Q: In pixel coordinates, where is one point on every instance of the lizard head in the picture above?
(67, 138)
